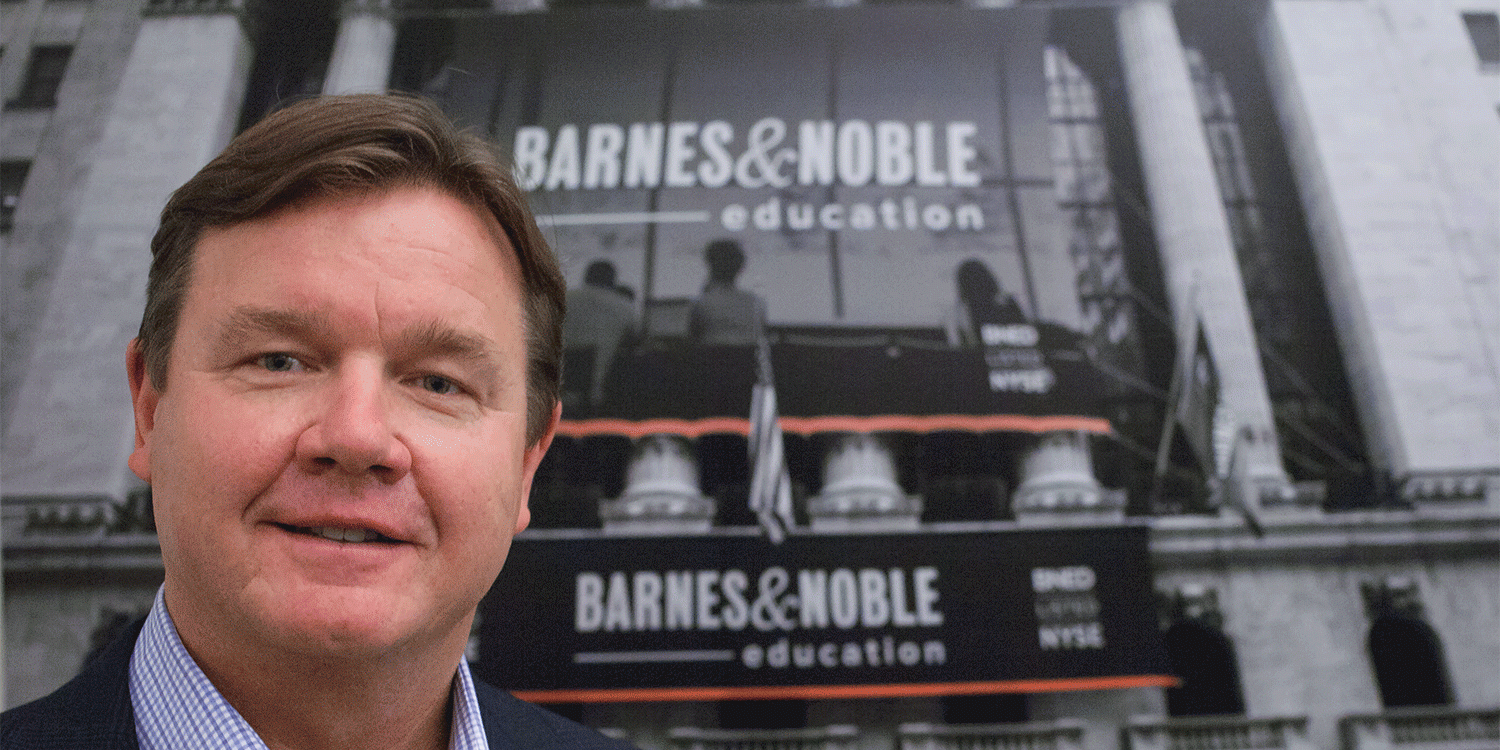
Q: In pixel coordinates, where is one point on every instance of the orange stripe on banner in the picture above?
(815, 692)
(942, 422)
(694, 428)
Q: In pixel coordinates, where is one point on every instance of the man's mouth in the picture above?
(352, 536)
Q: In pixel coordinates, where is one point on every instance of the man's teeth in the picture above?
(345, 535)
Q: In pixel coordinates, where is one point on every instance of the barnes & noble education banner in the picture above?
(823, 616)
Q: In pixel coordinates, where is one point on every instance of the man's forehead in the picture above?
(312, 201)
(271, 311)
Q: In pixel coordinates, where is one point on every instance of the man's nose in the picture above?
(351, 430)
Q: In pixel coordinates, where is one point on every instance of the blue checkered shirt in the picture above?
(177, 708)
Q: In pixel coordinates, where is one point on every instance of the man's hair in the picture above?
(339, 146)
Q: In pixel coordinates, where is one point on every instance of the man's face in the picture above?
(339, 461)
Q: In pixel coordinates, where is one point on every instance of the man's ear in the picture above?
(531, 461)
(143, 400)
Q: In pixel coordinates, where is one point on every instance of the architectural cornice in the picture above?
(1177, 542)
(1352, 537)
(52, 555)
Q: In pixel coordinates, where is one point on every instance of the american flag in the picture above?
(770, 486)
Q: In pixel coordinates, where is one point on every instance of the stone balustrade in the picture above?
(833, 737)
(1426, 728)
(1217, 733)
(1060, 735)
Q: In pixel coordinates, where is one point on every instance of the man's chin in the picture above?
(346, 638)
(349, 625)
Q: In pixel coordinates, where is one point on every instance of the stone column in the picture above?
(1192, 233)
(1058, 484)
(661, 491)
(860, 491)
(60, 141)
(361, 61)
(176, 106)
(1384, 138)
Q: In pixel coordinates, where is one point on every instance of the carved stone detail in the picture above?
(92, 515)
(67, 517)
(251, 13)
(196, 7)
(518, 6)
(1392, 595)
(1193, 601)
(367, 7)
(1457, 486)
(1277, 494)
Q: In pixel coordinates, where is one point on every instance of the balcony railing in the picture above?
(1217, 733)
(1434, 728)
(834, 737)
(1060, 735)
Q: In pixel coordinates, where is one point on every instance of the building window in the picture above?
(1408, 661)
(43, 77)
(12, 178)
(1086, 194)
(1311, 399)
(1201, 656)
(1405, 652)
(1484, 32)
(1109, 236)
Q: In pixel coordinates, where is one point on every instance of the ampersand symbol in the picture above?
(764, 136)
(768, 612)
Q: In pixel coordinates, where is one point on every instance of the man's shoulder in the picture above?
(91, 711)
(513, 723)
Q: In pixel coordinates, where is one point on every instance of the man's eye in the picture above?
(280, 362)
(439, 385)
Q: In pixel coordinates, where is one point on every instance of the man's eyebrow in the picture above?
(436, 339)
(245, 321)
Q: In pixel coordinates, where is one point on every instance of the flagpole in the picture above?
(1170, 414)
(1175, 391)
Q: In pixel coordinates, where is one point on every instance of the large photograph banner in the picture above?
(732, 616)
(856, 206)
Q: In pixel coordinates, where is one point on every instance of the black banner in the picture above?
(727, 616)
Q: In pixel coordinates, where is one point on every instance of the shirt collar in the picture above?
(177, 707)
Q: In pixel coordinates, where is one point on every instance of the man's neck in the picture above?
(327, 707)
(297, 702)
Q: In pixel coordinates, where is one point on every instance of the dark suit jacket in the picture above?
(93, 712)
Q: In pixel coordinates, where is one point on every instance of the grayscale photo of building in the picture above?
(938, 374)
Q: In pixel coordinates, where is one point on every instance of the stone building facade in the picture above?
(1356, 336)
